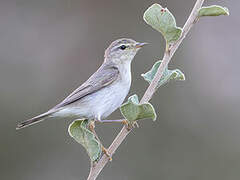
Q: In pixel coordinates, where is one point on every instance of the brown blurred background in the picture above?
(49, 47)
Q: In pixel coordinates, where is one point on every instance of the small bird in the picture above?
(103, 92)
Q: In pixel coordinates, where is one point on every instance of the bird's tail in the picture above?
(33, 120)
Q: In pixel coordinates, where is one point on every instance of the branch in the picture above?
(97, 168)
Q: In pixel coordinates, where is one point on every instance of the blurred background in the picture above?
(49, 47)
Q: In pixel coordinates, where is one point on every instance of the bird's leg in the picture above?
(123, 121)
(92, 129)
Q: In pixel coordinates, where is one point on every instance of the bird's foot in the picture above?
(127, 124)
(130, 125)
(92, 126)
(105, 151)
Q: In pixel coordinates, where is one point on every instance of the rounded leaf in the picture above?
(132, 110)
(78, 131)
(162, 20)
(213, 10)
(168, 75)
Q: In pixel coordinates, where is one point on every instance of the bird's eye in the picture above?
(122, 47)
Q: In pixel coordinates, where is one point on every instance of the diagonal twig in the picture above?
(97, 168)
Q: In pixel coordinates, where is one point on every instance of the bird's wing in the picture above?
(104, 76)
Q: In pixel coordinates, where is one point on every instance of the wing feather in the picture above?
(104, 76)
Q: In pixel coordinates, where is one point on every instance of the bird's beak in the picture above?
(139, 45)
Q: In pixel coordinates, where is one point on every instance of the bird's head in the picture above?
(122, 50)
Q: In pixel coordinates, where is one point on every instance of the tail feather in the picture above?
(33, 120)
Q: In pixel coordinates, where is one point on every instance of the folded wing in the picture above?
(104, 76)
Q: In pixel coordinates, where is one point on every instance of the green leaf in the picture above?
(163, 21)
(78, 131)
(133, 111)
(175, 74)
(214, 10)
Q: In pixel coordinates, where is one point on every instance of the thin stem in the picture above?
(97, 168)
(169, 53)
